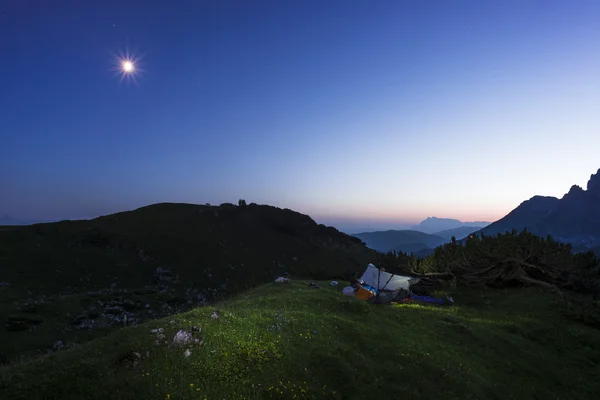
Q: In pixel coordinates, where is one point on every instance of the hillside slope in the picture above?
(525, 215)
(575, 218)
(292, 341)
(400, 240)
(73, 280)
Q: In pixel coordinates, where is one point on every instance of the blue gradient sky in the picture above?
(355, 112)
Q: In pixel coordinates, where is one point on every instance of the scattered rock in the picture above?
(187, 353)
(160, 339)
(143, 256)
(164, 277)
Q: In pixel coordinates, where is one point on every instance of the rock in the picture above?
(182, 338)
(58, 345)
(187, 353)
(70, 345)
(114, 310)
(143, 256)
(130, 360)
(160, 339)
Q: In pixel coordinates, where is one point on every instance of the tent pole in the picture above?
(378, 287)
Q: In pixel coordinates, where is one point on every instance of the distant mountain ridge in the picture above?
(407, 241)
(7, 220)
(458, 233)
(432, 225)
(575, 218)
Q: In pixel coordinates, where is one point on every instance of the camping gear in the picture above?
(379, 287)
(348, 291)
(427, 299)
(387, 297)
(363, 294)
(384, 280)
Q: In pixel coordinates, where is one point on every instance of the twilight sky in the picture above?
(359, 113)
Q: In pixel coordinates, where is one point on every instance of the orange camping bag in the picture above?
(364, 294)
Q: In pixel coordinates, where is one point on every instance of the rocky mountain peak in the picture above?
(574, 191)
(593, 185)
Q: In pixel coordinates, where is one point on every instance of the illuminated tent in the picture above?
(384, 281)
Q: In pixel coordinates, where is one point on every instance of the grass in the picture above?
(291, 341)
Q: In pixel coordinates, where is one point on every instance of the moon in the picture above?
(127, 66)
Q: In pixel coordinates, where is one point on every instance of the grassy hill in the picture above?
(292, 341)
(72, 281)
(406, 241)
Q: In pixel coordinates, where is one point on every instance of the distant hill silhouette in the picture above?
(7, 220)
(407, 241)
(575, 218)
(432, 225)
(459, 232)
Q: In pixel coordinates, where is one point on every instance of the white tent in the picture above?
(386, 280)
